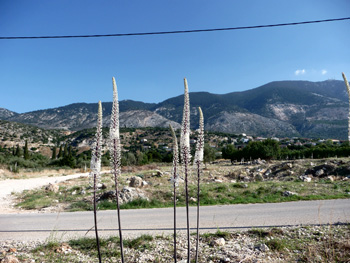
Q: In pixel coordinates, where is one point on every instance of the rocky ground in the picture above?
(285, 244)
(141, 182)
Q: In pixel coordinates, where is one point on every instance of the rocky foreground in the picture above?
(286, 244)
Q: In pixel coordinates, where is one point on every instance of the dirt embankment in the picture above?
(9, 186)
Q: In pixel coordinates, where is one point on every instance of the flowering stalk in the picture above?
(115, 151)
(174, 180)
(348, 90)
(198, 160)
(185, 155)
(96, 169)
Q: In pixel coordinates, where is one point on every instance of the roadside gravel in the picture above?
(286, 244)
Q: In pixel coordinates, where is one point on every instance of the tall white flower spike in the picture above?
(185, 127)
(200, 141)
(114, 135)
(348, 90)
(95, 164)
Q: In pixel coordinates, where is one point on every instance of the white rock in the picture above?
(289, 193)
(136, 182)
(218, 242)
(319, 172)
(52, 188)
(262, 247)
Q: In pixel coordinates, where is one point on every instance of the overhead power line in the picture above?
(183, 31)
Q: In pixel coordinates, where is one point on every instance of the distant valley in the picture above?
(281, 109)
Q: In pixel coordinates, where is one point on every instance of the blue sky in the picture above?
(47, 73)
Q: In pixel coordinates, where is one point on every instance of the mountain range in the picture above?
(280, 108)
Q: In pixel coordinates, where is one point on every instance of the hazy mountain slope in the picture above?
(5, 114)
(281, 108)
(302, 104)
(239, 122)
(13, 133)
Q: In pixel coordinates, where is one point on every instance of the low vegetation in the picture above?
(314, 244)
(74, 195)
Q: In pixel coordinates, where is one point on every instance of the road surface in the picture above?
(157, 221)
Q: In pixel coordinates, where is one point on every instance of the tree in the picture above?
(53, 157)
(272, 150)
(26, 151)
(141, 158)
(60, 152)
(254, 150)
(65, 151)
(18, 151)
(268, 149)
(209, 153)
(229, 152)
(70, 150)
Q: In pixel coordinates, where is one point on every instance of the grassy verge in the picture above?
(308, 244)
(77, 197)
(286, 244)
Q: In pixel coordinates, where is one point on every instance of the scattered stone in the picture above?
(290, 172)
(262, 247)
(110, 195)
(136, 182)
(242, 175)
(259, 161)
(289, 193)
(64, 248)
(287, 166)
(305, 178)
(10, 259)
(101, 186)
(52, 188)
(193, 199)
(218, 242)
(129, 194)
(159, 173)
(240, 247)
(330, 178)
(112, 246)
(218, 181)
(246, 179)
(12, 250)
(319, 172)
(259, 177)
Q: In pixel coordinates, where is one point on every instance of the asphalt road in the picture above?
(36, 226)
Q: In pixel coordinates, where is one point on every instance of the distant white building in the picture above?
(244, 140)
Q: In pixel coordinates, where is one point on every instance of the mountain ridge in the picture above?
(279, 108)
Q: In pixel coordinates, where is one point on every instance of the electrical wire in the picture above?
(182, 31)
